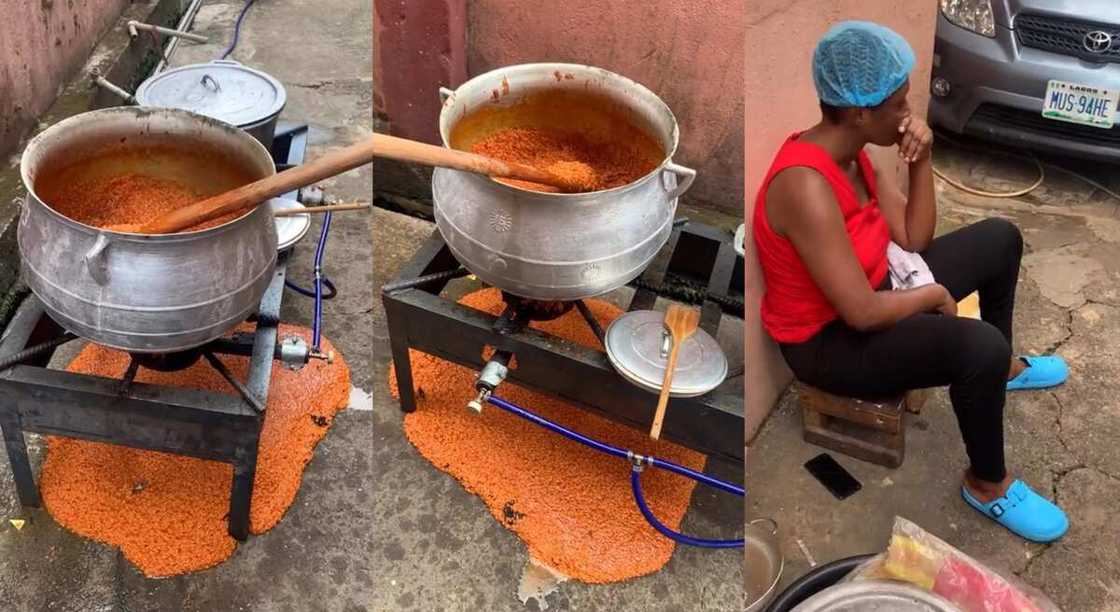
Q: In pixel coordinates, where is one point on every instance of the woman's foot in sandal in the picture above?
(1017, 507)
(1037, 373)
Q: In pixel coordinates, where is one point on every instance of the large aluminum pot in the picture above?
(144, 293)
(549, 246)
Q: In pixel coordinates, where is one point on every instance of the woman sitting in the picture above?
(824, 223)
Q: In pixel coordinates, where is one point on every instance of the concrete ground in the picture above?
(317, 557)
(438, 548)
(1061, 441)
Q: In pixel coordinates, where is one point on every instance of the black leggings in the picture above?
(930, 350)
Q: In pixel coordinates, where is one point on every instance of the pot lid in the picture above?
(223, 90)
(875, 596)
(289, 230)
(638, 348)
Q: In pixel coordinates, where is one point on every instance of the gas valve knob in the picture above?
(327, 356)
(478, 402)
(493, 374)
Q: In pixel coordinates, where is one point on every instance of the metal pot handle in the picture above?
(95, 259)
(24, 212)
(444, 94)
(773, 524)
(216, 88)
(685, 176)
(207, 77)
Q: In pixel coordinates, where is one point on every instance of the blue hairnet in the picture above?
(860, 64)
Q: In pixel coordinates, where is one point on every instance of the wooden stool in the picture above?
(915, 399)
(869, 430)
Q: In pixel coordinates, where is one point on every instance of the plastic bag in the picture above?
(920, 558)
(872, 569)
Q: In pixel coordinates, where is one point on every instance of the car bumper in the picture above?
(997, 90)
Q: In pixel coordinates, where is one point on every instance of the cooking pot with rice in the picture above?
(572, 119)
(135, 292)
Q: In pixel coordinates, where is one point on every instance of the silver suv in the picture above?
(1040, 74)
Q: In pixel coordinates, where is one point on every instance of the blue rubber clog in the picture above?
(1040, 373)
(1023, 512)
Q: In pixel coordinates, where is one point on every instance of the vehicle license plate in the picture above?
(1080, 104)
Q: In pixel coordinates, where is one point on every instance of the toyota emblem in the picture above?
(1097, 41)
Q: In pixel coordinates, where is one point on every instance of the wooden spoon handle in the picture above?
(402, 149)
(666, 386)
(333, 163)
(318, 210)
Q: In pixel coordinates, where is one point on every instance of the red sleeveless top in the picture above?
(793, 308)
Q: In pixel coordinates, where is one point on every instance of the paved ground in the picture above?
(439, 549)
(317, 558)
(1062, 442)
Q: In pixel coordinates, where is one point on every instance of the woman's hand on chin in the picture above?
(915, 140)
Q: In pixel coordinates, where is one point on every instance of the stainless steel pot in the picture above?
(144, 293)
(263, 131)
(222, 89)
(550, 246)
(764, 562)
(875, 596)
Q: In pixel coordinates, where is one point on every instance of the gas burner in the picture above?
(167, 362)
(524, 309)
(697, 256)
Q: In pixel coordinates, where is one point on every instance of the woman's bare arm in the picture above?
(800, 205)
(912, 219)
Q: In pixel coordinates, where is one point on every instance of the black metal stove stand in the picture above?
(420, 318)
(202, 424)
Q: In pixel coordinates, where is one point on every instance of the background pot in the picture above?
(222, 89)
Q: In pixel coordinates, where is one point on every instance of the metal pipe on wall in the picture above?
(184, 23)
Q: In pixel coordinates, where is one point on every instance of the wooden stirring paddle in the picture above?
(682, 323)
(571, 176)
(244, 197)
(346, 159)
